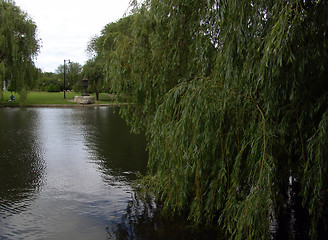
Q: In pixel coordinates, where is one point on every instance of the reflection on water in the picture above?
(21, 160)
(65, 173)
(142, 221)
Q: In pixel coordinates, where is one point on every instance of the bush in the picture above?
(11, 87)
(78, 87)
(53, 88)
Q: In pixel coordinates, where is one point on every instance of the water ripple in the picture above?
(65, 173)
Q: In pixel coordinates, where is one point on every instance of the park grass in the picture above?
(49, 98)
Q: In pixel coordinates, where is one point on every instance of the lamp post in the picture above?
(65, 75)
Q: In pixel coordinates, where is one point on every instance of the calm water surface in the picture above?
(65, 173)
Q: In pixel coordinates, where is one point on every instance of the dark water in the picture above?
(65, 173)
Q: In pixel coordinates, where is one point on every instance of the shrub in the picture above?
(11, 87)
(53, 88)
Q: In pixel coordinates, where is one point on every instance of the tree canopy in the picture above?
(73, 75)
(18, 46)
(233, 98)
(94, 71)
(99, 48)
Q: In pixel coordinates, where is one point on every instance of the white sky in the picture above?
(66, 26)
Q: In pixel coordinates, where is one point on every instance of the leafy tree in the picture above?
(73, 74)
(94, 71)
(99, 48)
(48, 78)
(233, 97)
(18, 46)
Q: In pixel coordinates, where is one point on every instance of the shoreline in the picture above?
(63, 105)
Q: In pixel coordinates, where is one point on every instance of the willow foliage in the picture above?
(18, 46)
(233, 97)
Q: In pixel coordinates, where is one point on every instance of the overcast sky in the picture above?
(66, 26)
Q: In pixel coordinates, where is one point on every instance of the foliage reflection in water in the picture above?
(66, 173)
(20, 151)
(143, 221)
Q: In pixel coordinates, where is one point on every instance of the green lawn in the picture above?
(40, 98)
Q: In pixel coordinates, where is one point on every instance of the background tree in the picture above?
(233, 97)
(94, 71)
(73, 74)
(18, 46)
(48, 78)
(100, 48)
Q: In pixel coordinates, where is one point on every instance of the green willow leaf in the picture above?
(232, 96)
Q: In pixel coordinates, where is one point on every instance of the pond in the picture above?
(66, 173)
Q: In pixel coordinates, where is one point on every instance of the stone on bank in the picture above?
(85, 99)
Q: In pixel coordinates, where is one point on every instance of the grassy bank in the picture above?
(49, 98)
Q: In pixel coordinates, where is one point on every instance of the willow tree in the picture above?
(233, 97)
(135, 53)
(18, 46)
